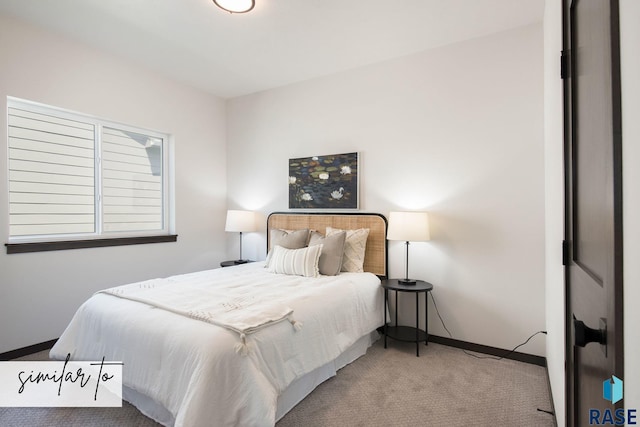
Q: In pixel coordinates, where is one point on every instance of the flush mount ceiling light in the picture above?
(235, 6)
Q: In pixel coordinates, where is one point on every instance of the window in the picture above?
(77, 177)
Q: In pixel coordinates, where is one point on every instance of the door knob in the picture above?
(584, 334)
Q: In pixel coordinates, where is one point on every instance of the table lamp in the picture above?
(408, 227)
(240, 221)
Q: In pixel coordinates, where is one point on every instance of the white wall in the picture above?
(456, 131)
(39, 292)
(630, 70)
(554, 205)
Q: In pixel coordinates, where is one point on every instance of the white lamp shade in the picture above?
(235, 6)
(409, 226)
(240, 221)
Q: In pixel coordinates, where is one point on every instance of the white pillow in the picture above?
(354, 248)
(298, 262)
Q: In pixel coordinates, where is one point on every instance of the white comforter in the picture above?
(190, 367)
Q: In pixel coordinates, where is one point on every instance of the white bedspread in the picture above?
(190, 367)
(242, 303)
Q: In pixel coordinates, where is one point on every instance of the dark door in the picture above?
(593, 183)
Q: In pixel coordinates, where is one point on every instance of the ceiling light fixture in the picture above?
(235, 6)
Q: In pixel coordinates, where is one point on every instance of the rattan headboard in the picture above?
(376, 251)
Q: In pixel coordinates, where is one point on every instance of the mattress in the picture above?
(186, 372)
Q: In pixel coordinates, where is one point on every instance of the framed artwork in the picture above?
(324, 182)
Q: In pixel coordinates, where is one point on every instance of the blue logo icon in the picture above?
(612, 389)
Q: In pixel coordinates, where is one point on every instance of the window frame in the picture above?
(99, 237)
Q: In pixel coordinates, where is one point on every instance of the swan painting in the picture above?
(324, 182)
(337, 194)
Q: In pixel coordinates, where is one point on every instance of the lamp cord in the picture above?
(475, 355)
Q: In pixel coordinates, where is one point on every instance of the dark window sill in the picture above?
(20, 248)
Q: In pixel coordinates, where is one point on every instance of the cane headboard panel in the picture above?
(376, 250)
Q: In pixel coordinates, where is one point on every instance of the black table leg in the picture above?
(426, 317)
(386, 293)
(396, 294)
(417, 327)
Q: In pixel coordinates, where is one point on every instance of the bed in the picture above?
(241, 345)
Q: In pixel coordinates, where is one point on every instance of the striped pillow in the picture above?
(298, 262)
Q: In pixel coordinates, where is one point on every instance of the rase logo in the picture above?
(612, 391)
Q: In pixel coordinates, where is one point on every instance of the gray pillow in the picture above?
(288, 239)
(332, 251)
(295, 239)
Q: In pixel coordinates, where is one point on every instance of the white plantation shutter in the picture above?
(55, 187)
(51, 175)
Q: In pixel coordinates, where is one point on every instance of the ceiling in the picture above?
(279, 42)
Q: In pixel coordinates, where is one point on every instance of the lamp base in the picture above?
(406, 282)
(241, 261)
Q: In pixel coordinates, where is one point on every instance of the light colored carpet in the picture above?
(392, 387)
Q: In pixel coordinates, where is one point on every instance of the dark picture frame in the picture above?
(324, 182)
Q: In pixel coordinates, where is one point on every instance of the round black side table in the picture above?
(232, 263)
(407, 333)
